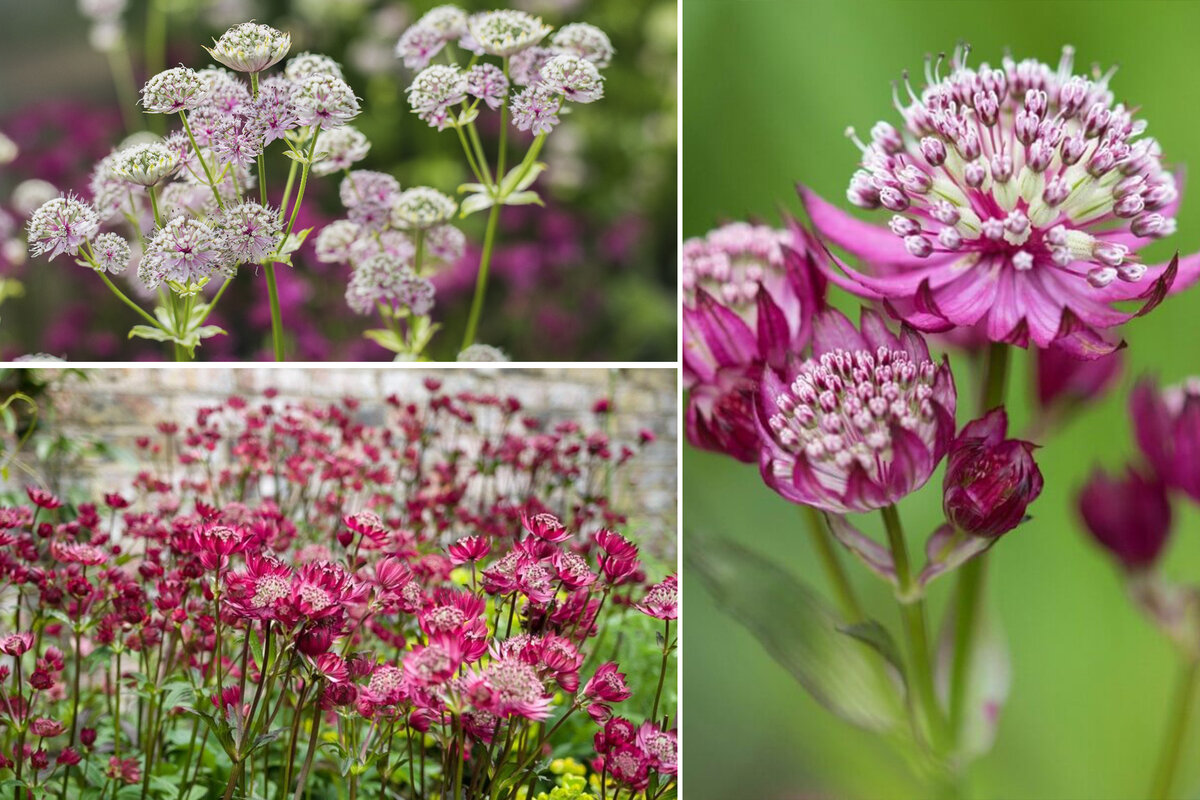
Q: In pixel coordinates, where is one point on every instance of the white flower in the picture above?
(144, 164)
(584, 40)
(422, 207)
(482, 352)
(339, 149)
(251, 47)
(504, 33)
(575, 78)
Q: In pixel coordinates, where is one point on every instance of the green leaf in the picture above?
(474, 203)
(146, 332)
(387, 340)
(798, 629)
(523, 199)
(879, 639)
(520, 178)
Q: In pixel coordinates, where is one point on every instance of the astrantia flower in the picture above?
(505, 32)
(748, 300)
(546, 527)
(661, 600)
(525, 68)
(16, 644)
(1020, 197)
(535, 109)
(61, 226)
(274, 108)
(368, 186)
(250, 232)
(1167, 426)
(429, 34)
(174, 90)
(390, 281)
(608, 684)
(334, 241)
(990, 480)
(444, 244)
(584, 40)
(340, 149)
(182, 250)
(859, 425)
(239, 141)
(305, 65)
(469, 549)
(482, 352)
(487, 83)
(1060, 378)
(1129, 516)
(422, 207)
(77, 553)
(434, 90)
(575, 78)
(226, 93)
(661, 746)
(258, 591)
(251, 47)
(111, 252)
(516, 690)
(145, 164)
(325, 101)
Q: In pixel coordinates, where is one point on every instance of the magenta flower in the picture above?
(989, 480)
(661, 600)
(1020, 197)
(1060, 378)
(1130, 517)
(748, 300)
(859, 425)
(1167, 426)
(607, 685)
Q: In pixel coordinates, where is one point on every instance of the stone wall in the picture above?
(117, 405)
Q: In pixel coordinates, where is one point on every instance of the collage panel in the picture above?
(338, 180)
(939, 284)
(339, 582)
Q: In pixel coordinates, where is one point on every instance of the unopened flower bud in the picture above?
(990, 480)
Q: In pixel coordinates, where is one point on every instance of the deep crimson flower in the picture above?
(16, 644)
(126, 770)
(607, 685)
(115, 501)
(87, 737)
(748, 300)
(1063, 379)
(862, 423)
(46, 728)
(1167, 426)
(509, 687)
(42, 498)
(661, 747)
(1130, 517)
(215, 543)
(546, 527)
(259, 590)
(628, 764)
(662, 599)
(1020, 198)
(77, 553)
(990, 480)
(68, 757)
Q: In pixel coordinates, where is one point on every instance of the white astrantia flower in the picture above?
(111, 252)
(325, 101)
(482, 352)
(334, 241)
(434, 90)
(305, 65)
(62, 225)
(145, 164)
(8, 150)
(422, 207)
(575, 78)
(584, 40)
(174, 90)
(340, 149)
(506, 32)
(251, 47)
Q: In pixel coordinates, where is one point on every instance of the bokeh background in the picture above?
(769, 88)
(590, 277)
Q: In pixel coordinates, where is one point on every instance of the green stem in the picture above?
(312, 745)
(303, 182)
(912, 612)
(154, 205)
(995, 378)
(122, 74)
(969, 591)
(200, 157)
(213, 303)
(485, 260)
(153, 322)
(1177, 725)
(662, 671)
(823, 543)
(276, 315)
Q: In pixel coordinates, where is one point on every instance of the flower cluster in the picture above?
(439, 587)
(192, 202)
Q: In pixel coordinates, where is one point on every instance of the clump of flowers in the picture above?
(193, 205)
(421, 606)
(518, 70)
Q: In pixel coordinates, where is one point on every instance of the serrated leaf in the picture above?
(798, 629)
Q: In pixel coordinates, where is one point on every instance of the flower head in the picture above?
(486, 82)
(340, 149)
(251, 47)
(575, 78)
(1020, 196)
(388, 280)
(325, 101)
(505, 32)
(249, 232)
(434, 90)
(1129, 516)
(482, 352)
(174, 90)
(112, 252)
(535, 110)
(145, 164)
(1167, 426)
(859, 425)
(584, 40)
(422, 207)
(748, 300)
(429, 34)
(662, 599)
(183, 250)
(607, 684)
(1061, 378)
(305, 65)
(989, 480)
(62, 225)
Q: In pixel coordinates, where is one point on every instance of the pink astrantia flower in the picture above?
(1060, 378)
(859, 425)
(1020, 196)
(748, 300)
(1167, 426)
(607, 685)
(661, 600)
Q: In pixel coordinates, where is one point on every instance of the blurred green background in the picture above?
(769, 88)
